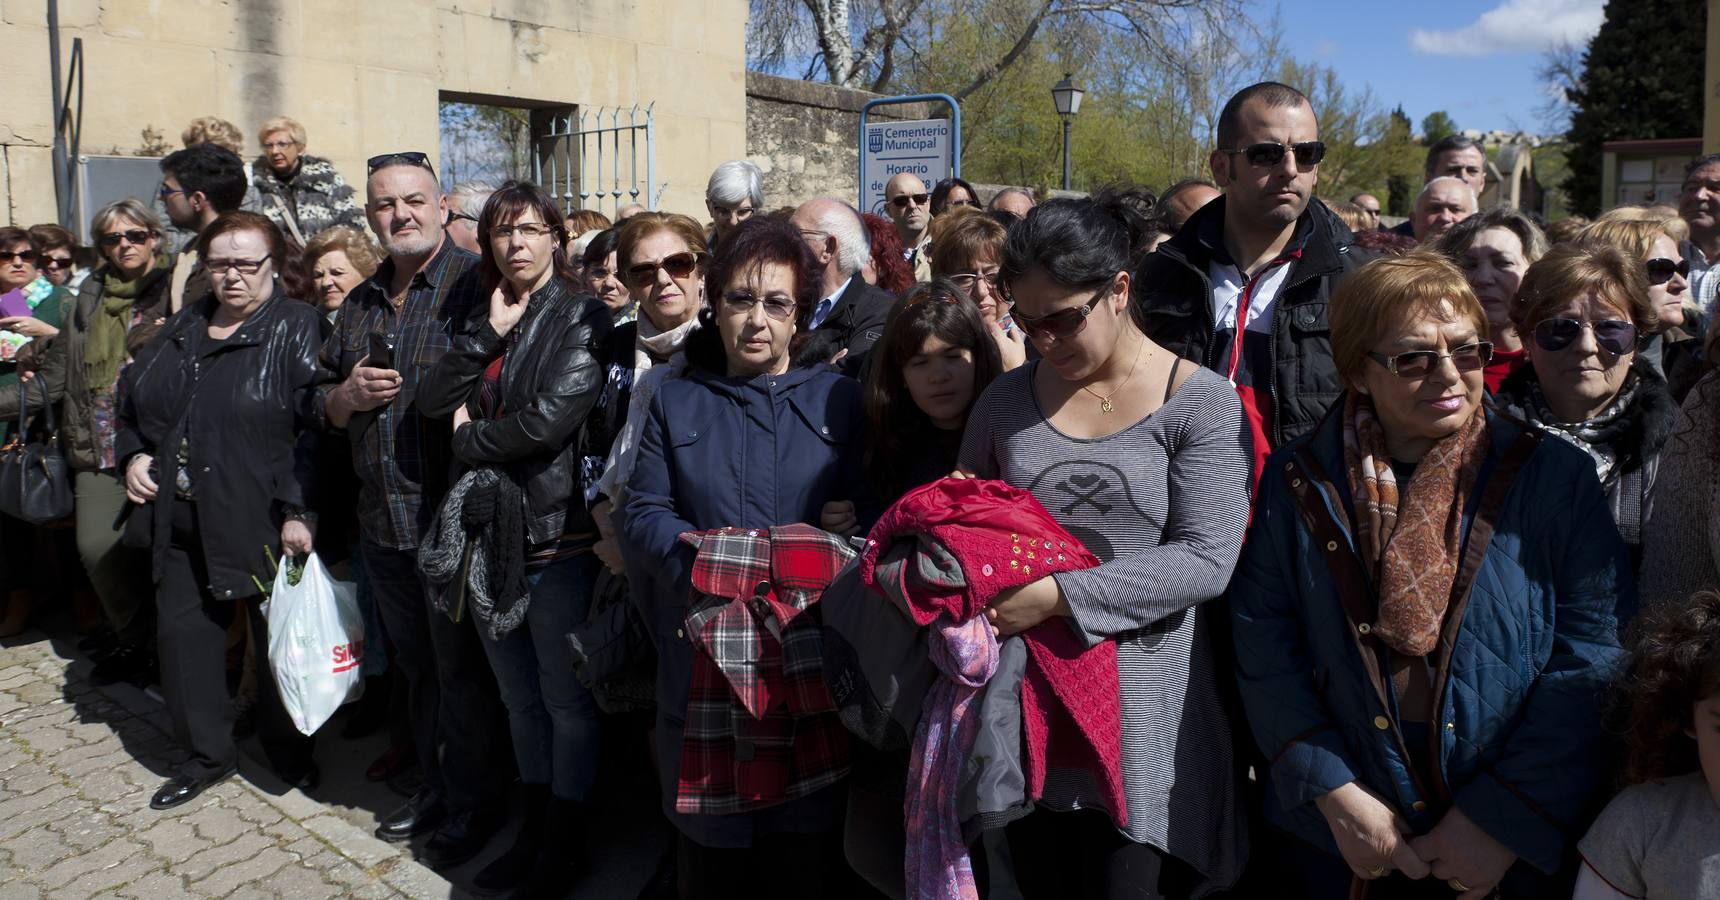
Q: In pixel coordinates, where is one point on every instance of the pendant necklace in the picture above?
(1105, 406)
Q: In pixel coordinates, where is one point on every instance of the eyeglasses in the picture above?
(1615, 336)
(1661, 270)
(741, 303)
(1062, 324)
(219, 267)
(533, 230)
(1419, 363)
(1269, 154)
(137, 236)
(7, 256)
(410, 157)
(904, 200)
(679, 265)
(57, 263)
(279, 145)
(969, 281)
(599, 273)
(167, 192)
(457, 216)
(738, 213)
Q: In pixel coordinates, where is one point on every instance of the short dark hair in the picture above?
(1274, 94)
(602, 244)
(752, 244)
(507, 203)
(1707, 159)
(1076, 243)
(1446, 144)
(242, 220)
(215, 172)
(12, 235)
(941, 194)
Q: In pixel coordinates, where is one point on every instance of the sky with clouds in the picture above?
(1475, 59)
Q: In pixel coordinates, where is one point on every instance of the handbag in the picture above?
(612, 652)
(35, 482)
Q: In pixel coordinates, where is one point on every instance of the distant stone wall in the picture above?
(804, 135)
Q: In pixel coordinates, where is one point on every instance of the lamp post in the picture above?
(1068, 99)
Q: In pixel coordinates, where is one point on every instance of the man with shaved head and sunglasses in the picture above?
(1242, 287)
(390, 332)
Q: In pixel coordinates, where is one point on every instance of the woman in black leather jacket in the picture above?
(218, 453)
(524, 372)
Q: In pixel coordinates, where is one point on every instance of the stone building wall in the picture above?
(805, 136)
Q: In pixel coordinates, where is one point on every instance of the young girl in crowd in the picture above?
(1660, 837)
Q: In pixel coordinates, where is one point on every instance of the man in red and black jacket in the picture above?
(1242, 287)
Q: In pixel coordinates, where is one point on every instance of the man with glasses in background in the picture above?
(465, 203)
(1370, 205)
(1242, 288)
(851, 311)
(390, 332)
(909, 205)
(197, 185)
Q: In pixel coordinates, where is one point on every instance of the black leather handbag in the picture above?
(35, 482)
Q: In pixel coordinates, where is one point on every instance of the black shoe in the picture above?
(305, 779)
(97, 646)
(511, 869)
(127, 662)
(180, 789)
(563, 860)
(462, 836)
(419, 815)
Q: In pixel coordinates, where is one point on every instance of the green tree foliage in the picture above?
(1435, 125)
(1642, 78)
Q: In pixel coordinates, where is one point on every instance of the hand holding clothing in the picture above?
(838, 517)
(1370, 834)
(1018, 609)
(1462, 854)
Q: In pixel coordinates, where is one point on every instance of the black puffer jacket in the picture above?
(1173, 305)
(246, 406)
(552, 375)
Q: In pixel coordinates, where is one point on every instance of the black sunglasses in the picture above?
(1661, 269)
(410, 157)
(1419, 363)
(1268, 154)
(57, 263)
(7, 256)
(1615, 336)
(916, 199)
(1062, 324)
(678, 265)
(133, 236)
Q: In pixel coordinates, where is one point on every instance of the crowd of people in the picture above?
(1370, 562)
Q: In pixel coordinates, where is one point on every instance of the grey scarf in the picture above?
(1598, 436)
(496, 583)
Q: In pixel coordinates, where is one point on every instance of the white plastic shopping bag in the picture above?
(316, 643)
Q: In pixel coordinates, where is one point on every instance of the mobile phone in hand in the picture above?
(381, 352)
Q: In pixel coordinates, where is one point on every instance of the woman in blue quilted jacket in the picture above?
(1425, 615)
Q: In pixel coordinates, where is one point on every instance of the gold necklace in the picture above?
(1105, 406)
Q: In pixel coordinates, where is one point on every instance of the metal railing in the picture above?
(68, 124)
(590, 159)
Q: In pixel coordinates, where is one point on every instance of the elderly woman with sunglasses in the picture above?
(1426, 612)
(1654, 236)
(1586, 308)
(744, 440)
(1144, 456)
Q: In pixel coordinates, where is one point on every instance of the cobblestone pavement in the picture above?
(77, 767)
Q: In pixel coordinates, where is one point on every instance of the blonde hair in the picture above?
(211, 130)
(586, 221)
(645, 224)
(360, 250)
(1623, 227)
(281, 123)
(963, 237)
(1389, 292)
(130, 209)
(1354, 216)
(1572, 269)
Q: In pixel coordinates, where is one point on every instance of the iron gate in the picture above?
(590, 158)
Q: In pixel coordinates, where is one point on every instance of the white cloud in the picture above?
(1514, 26)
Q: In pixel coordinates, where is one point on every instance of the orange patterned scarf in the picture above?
(1410, 540)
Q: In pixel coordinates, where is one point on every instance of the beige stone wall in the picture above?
(365, 76)
(805, 136)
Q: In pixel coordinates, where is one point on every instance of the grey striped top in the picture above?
(1163, 504)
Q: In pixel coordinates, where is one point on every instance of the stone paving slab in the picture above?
(77, 767)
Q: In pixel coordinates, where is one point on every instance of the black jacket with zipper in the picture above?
(551, 377)
(245, 406)
(1173, 305)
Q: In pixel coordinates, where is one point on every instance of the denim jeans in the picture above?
(552, 717)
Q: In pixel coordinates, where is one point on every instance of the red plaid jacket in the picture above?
(761, 728)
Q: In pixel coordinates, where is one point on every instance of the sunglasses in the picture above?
(1661, 270)
(7, 256)
(1062, 324)
(410, 157)
(57, 263)
(969, 281)
(1615, 336)
(1268, 154)
(131, 236)
(679, 265)
(1420, 363)
(741, 303)
(903, 201)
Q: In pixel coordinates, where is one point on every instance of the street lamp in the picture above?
(1068, 99)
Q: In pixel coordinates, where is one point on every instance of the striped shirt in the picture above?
(398, 454)
(1163, 504)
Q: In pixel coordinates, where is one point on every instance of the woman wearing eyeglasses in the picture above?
(302, 194)
(1425, 614)
(519, 381)
(1585, 308)
(218, 447)
(967, 251)
(744, 440)
(1145, 457)
(662, 258)
(1672, 349)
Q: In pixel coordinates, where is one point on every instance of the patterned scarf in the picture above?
(1601, 436)
(1410, 541)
